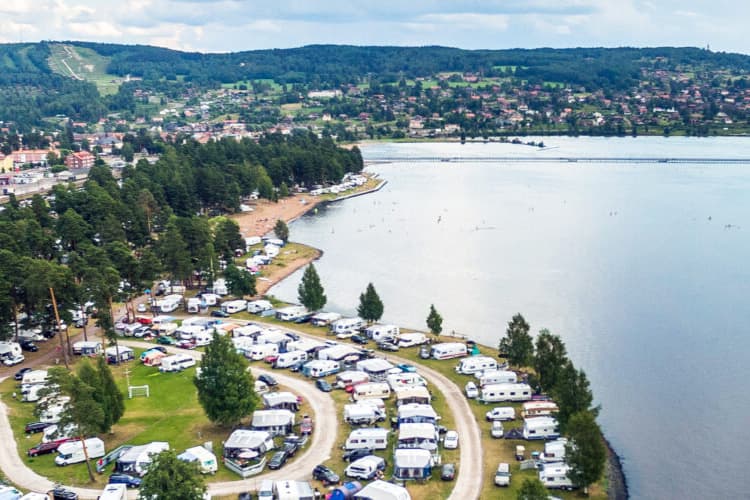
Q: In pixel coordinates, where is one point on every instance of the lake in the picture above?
(641, 268)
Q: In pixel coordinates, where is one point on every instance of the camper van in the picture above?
(260, 351)
(371, 390)
(491, 377)
(72, 451)
(556, 476)
(374, 438)
(448, 350)
(540, 428)
(351, 378)
(194, 305)
(210, 299)
(176, 363)
(505, 392)
(346, 325)
(380, 333)
(320, 368)
(258, 306)
(291, 358)
(234, 306)
(411, 339)
(476, 364)
(291, 313)
(554, 451)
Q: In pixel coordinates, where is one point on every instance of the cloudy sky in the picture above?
(235, 25)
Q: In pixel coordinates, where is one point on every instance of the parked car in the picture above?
(359, 339)
(297, 366)
(448, 472)
(326, 475)
(46, 448)
(268, 380)
(352, 455)
(218, 313)
(471, 390)
(34, 427)
(15, 360)
(306, 426)
(165, 340)
(407, 368)
(278, 459)
(245, 495)
(28, 345)
(126, 479)
(186, 344)
(291, 448)
(323, 385)
(387, 346)
(20, 373)
(62, 493)
(450, 442)
(271, 359)
(48, 334)
(141, 308)
(496, 431)
(424, 352)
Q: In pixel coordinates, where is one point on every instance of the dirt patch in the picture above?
(265, 213)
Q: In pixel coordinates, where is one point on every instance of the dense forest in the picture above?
(112, 237)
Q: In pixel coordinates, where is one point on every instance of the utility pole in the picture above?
(59, 330)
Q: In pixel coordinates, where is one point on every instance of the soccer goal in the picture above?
(137, 390)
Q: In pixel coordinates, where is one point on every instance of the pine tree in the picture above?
(281, 230)
(585, 451)
(226, 390)
(550, 358)
(370, 306)
(572, 394)
(434, 321)
(310, 292)
(113, 401)
(517, 344)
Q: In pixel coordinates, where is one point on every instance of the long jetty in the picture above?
(558, 159)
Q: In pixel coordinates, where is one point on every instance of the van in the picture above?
(176, 363)
(366, 468)
(72, 452)
(476, 364)
(260, 351)
(374, 438)
(448, 350)
(471, 390)
(291, 358)
(114, 492)
(496, 430)
(265, 492)
(502, 475)
(370, 390)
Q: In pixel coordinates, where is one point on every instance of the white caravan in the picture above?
(346, 325)
(291, 358)
(540, 428)
(556, 476)
(411, 339)
(72, 452)
(448, 350)
(374, 438)
(505, 392)
(491, 377)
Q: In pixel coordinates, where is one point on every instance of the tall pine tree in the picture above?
(370, 306)
(310, 292)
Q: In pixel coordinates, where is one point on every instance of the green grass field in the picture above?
(83, 63)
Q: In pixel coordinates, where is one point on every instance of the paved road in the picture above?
(468, 484)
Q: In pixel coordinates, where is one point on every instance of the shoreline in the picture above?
(615, 474)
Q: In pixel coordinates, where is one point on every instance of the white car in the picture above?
(450, 442)
(15, 360)
(496, 431)
(141, 308)
(471, 390)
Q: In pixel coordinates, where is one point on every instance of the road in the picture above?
(468, 484)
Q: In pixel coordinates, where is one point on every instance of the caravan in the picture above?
(205, 459)
(72, 451)
(90, 348)
(176, 363)
(505, 392)
(411, 339)
(448, 350)
(540, 428)
(320, 368)
(260, 351)
(350, 378)
(539, 409)
(258, 306)
(373, 438)
(371, 390)
(476, 364)
(380, 333)
(492, 377)
(324, 318)
(291, 313)
(556, 476)
(291, 358)
(363, 414)
(346, 325)
(234, 306)
(554, 451)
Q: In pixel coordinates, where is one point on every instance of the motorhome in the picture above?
(72, 451)
(290, 358)
(448, 350)
(205, 459)
(210, 299)
(405, 340)
(362, 414)
(176, 363)
(260, 351)
(417, 435)
(324, 318)
(351, 378)
(35, 377)
(476, 364)
(371, 390)
(320, 368)
(203, 338)
(234, 306)
(9, 350)
(345, 325)
(291, 313)
(87, 348)
(380, 333)
(554, 451)
(492, 377)
(539, 409)
(540, 428)
(555, 476)
(258, 306)
(374, 438)
(505, 392)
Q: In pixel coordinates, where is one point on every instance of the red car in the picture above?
(271, 359)
(186, 344)
(306, 426)
(45, 448)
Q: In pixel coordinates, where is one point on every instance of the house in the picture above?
(82, 159)
(275, 422)
(412, 464)
(136, 460)
(281, 401)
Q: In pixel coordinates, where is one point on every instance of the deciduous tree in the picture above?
(239, 281)
(226, 390)
(281, 230)
(549, 359)
(572, 394)
(532, 489)
(585, 451)
(170, 478)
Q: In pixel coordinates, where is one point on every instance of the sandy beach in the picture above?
(265, 213)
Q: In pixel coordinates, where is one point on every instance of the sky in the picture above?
(237, 25)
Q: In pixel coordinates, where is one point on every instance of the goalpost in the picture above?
(138, 390)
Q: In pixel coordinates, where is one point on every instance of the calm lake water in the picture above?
(642, 269)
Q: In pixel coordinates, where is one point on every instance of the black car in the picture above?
(278, 459)
(28, 345)
(268, 380)
(126, 479)
(323, 385)
(218, 313)
(34, 427)
(448, 472)
(60, 493)
(48, 334)
(245, 495)
(358, 338)
(326, 475)
(297, 366)
(352, 455)
(290, 447)
(20, 373)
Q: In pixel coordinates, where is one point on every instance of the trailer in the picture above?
(476, 364)
(324, 318)
(371, 390)
(346, 325)
(540, 428)
(351, 378)
(362, 414)
(320, 368)
(405, 340)
(505, 392)
(260, 351)
(234, 306)
(448, 350)
(374, 438)
(555, 476)
(291, 313)
(380, 333)
(539, 409)
(491, 377)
